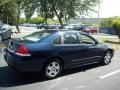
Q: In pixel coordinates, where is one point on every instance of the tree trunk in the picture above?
(17, 25)
(17, 21)
(61, 23)
(59, 18)
(45, 19)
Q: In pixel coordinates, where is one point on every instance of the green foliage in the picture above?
(36, 20)
(8, 11)
(116, 26)
(30, 7)
(63, 9)
(107, 22)
(22, 20)
(112, 22)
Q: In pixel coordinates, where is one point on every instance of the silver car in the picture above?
(5, 32)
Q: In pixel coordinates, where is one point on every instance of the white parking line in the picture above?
(109, 74)
(82, 86)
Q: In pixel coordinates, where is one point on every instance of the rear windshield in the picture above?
(37, 36)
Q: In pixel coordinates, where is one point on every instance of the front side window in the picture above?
(71, 38)
(57, 40)
(87, 40)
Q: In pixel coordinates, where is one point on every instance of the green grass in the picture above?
(2, 45)
(114, 42)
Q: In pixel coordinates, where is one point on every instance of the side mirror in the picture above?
(96, 42)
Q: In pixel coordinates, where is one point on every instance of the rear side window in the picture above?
(71, 38)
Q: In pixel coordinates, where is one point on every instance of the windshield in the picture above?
(37, 36)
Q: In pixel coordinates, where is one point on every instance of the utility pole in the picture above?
(98, 17)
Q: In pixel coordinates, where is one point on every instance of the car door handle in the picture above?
(86, 49)
(66, 49)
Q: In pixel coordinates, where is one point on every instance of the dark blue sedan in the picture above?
(51, 51)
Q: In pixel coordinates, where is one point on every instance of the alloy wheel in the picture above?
(53, 69)
(107, 58)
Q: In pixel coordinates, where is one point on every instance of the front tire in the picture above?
(107, 58)
(52, 69)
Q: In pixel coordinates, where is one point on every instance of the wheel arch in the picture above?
(55, 57)
(111, 50)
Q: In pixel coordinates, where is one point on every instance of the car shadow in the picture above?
(11, 78)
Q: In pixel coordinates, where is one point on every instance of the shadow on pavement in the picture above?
(11, 78)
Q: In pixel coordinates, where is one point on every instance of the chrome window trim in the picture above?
(62, 40)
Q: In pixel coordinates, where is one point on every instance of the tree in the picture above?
(8, 11)
(107, 22)
(30, 7)
(66, 8)
(116, 26)
(112, 22)
(45, 10)
(20, 7)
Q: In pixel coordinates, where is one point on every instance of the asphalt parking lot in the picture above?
(92, 77)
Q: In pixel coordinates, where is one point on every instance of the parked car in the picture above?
(29, 25)
(68, 27)
(78, 27)
(5, 32)
(52, 51)
(53, 26)
(40, 26)
(90, 29)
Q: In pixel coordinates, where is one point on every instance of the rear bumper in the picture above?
(26, 64)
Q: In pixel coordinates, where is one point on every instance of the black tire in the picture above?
(55, 71)
(107, 58)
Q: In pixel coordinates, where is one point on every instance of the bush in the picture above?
(22, 20)
(36, 20)
(113, 22)
(107, 22)
(116, 26)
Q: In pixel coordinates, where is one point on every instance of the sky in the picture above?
(108, 8)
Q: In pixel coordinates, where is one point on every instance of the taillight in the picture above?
(22, 50)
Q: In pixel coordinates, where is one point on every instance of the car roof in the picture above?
(64, 30)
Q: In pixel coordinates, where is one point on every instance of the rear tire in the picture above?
(107, 58)
(52, 69)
